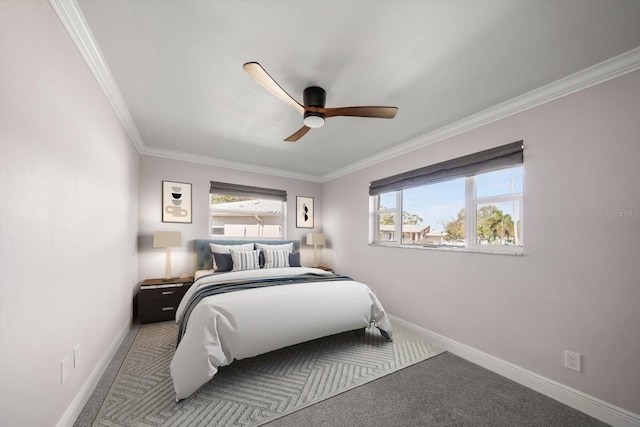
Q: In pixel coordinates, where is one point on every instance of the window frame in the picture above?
(376, 212)
(471, 221)
(474, 165)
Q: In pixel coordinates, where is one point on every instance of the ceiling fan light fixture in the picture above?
(313, 109)
(313, 120)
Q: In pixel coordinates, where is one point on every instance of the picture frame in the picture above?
(176, 202)
(304, 212)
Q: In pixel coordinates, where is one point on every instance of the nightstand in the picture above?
(158, 299)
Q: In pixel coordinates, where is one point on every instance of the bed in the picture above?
(244, 312)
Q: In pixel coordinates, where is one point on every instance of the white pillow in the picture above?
(245, 260)
(276, 259)
(224, 249)
(286, 246)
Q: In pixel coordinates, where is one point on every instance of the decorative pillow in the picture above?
(245, 260)
(284, 246)
(294, 260)
(224, 249)
(223, 262)
(276, 259)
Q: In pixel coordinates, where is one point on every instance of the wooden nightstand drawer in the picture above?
(163, 293)
(158, 311)
(158, 299)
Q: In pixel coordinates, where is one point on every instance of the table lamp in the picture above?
(168, 240)
(315, 239)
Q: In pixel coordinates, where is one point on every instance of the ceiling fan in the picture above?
(314, 97)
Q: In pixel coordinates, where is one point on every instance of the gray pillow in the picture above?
(294, 260)
(224, 262)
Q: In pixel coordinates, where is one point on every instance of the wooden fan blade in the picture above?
(259, 74)
(375, 112)
(299, 134)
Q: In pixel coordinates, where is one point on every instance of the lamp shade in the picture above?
(316, 239)
(167, 239)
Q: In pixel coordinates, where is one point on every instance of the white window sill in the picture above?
(500, 250)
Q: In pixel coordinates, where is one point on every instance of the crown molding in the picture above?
(594, 75)
(69, 14)
(229, 164)
(71, 17)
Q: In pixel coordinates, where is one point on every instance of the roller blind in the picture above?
(472, 164)
(247, 191)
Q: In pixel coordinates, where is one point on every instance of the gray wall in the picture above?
(576, 288)
(69, 198)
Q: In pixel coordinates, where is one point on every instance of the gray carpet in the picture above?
(441, 391)
(253, 391)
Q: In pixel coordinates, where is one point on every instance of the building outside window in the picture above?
(238, 211)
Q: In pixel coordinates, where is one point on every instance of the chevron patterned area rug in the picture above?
(251, 392)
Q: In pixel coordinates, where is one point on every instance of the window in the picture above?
(497, 205)
(385, 216)
(240, 211)
(473, 202)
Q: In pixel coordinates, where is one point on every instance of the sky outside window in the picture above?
(500, 182)
(441, 202)
(435, 203)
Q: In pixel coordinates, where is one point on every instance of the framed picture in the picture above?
(176, 202)
(304, 212)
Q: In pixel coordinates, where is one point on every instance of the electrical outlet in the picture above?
(572, 361)
(76, 355)
(64, 369)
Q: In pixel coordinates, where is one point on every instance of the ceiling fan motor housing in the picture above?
(314, 96)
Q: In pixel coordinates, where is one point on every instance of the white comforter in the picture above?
(250, 322)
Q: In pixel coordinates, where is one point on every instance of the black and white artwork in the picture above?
(176, 202)
(304, 211)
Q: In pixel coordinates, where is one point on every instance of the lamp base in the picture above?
(167, 265)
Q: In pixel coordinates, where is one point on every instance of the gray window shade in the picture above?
(247, 191)
(484, 161)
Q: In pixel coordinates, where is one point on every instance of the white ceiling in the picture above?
(179, 87)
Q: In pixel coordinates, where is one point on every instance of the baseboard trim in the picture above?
(576, 399)
(77, 404)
